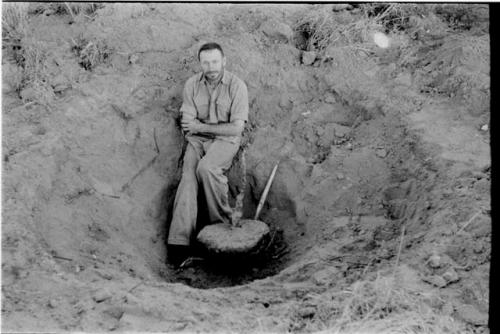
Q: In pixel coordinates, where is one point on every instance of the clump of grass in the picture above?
(465, 16)
(14, 22)
(322, 27)
(397, 17)
(74, 9)
(382, 305)
(90, 53)
(35, 79)
(30, 74)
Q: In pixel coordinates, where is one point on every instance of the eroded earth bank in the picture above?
(380, 209)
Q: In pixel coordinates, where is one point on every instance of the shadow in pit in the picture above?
(207, 270)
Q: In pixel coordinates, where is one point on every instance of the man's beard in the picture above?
(214, 75)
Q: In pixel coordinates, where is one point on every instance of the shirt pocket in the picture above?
(223, 107)
(202, 105)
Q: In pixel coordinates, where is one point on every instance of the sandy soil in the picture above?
(380, 206)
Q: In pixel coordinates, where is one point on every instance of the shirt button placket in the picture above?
(212, 113)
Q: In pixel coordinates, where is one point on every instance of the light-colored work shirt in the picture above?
(225, 103)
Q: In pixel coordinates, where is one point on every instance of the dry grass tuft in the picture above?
(74, 9)
(29, 71)
(383, 305)
(14, 22)
(323, 28)
(90, 53)
(396, 16)
(465, 16)
(35, 79)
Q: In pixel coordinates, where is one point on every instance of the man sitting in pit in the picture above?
(214, 112)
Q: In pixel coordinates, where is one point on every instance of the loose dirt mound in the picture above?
(379, 212)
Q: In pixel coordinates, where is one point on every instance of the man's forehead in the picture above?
(210, 53)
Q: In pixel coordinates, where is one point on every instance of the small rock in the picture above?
(307, 312)
(478, 248)
(470, 314)
(133, 58)
(83, 306)
(324, 277)
(349, 146)
(114, 311)
(435, 261)
(104, 274)
(381, 153)
(101, 295)
(277, 30)
(286, 103)
(308, 57)
(330, 99)
(61, 87)
(451, 276)
(435, 280)
(341, 131)
(52, 303)
(485, 127)
(340, 176)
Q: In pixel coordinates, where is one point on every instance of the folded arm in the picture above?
(194, 126)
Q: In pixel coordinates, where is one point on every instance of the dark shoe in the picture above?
(176, 254)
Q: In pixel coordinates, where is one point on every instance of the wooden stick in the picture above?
(135, 286)
(266, 191)
(470, 221)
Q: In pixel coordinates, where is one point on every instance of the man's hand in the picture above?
(191, 126)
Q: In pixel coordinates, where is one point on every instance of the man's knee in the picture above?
(204, 169)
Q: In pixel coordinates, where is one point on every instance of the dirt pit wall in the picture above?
(90, 178)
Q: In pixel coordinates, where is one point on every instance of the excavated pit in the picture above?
(339, 205)
(373, 170)
(116, 219)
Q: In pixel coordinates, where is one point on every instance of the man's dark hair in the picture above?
(210, 46)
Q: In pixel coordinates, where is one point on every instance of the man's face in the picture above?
(212, 63)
